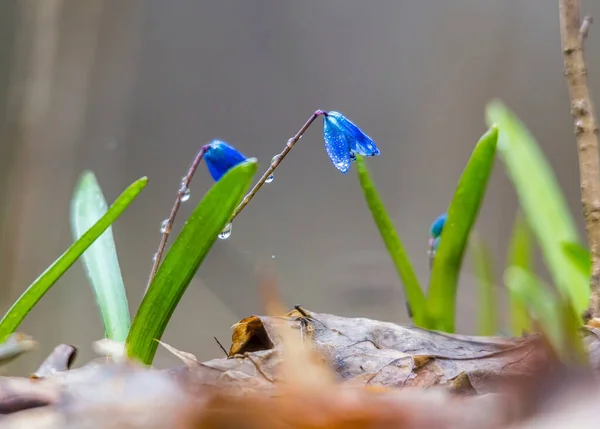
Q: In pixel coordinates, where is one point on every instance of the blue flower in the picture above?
(435, 230)
(343, 140)
(220, 158)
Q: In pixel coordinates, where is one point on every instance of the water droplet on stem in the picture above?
(164, 226)
(224, 235)
(185, 195)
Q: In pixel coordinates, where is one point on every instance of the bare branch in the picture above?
(586, 132)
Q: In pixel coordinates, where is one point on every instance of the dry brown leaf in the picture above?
(60, 359)
(187, 358)
(380, 370)
(395, 355)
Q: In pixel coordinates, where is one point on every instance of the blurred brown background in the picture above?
(130, 88)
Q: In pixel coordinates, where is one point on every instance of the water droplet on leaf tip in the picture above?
(269, 179)
(224, 235)
(164, 226)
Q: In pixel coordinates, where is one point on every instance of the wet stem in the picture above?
(167, 225)
(275, 162)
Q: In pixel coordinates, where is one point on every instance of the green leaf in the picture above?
(534, 295)
(520, 254)
(42, 284)
(184, 258)
(412, 289)
(483, 264)
(572, 349)
(542, 202)
(462, 215)
(556, 316)
(579, 256)
(100, 260)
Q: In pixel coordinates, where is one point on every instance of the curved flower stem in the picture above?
(276, 161)
(166, 228)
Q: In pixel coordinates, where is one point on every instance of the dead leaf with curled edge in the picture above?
(386, 354)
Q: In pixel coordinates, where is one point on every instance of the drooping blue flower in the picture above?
(343, 140)
(438, 225)
(220, 157)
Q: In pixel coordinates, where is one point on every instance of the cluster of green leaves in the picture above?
(545, 217)
(436, 309)
(91, 222)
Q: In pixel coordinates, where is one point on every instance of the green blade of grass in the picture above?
(579, 256)
(412, 289)
(100, 261)
(483, 264)
(462, 214)
(542, 202)
(520, 254)
(534, 295)
(184, 258)
(15, 315)
(556, 316)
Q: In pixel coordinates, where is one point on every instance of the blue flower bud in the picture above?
(343, 140)
(438, 225)
(220, 158)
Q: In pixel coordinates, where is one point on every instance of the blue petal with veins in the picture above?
(336, 143)
(343, 140)
(359, 142)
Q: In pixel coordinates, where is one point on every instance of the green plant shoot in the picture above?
(100, 261)
(412, 289)
(15, 315)
(462, 214)
(184, 258)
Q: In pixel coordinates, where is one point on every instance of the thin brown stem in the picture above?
(573, 33)
(221, 346)
(275, 162)
(168, 223)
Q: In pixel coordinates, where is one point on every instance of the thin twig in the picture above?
(168, 224)
(222, 348)
(586, 132)
(275, 162)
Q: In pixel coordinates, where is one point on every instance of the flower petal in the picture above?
(358, 141)
(336, 143)
(220, 158)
